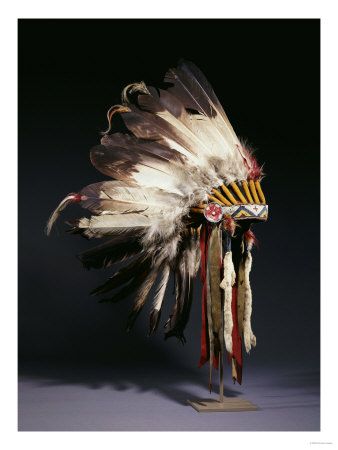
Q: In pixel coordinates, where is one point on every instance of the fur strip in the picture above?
(226, 284)
(214, 279)
(246, 295)
(210, 328)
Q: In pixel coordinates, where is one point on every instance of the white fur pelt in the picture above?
(244, 303)
(226, 284)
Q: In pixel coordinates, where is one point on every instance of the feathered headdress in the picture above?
(183, 194)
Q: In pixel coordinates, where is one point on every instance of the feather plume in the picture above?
(115, 250)
(175, 128)
(70, 198)
(132, 166)
(185, 272)
(115, 197)
(131, 89)
(105, 225)
(134, 274)
(190, 84)
(123, 276)
(141, 297)
(155, 312)
(193, 89)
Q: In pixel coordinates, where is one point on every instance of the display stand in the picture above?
(223, 404)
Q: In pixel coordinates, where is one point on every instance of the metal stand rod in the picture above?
(222, 404)
(221, 355)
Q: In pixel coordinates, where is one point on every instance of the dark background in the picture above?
(266, 75)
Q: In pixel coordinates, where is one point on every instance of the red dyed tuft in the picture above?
(229, 225)
(254, 169)
(250, 238)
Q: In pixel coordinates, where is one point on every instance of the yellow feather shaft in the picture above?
(247, 191)
(260, 192)
(197, 210)
(221, 197)
(214, 199)
(253, 191)
(229, 194)
(238, 192)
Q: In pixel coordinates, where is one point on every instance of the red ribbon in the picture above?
(204, 239)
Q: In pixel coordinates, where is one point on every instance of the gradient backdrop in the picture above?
(266, 74)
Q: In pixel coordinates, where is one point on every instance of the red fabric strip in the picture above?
(204, 331)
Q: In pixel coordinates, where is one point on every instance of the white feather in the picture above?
(115, 197)
(99, 226)
(159, 295)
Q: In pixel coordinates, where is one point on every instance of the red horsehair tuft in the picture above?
(229, 225)
(250, 239)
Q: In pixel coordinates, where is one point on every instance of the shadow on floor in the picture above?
(176, 384)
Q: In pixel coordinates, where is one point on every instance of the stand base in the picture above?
(229, 404)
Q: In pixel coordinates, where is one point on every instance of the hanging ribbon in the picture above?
(211, 264)
(204, 240)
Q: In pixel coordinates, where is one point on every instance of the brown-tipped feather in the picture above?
(141, 297)
(185, 272)
(115, 250)
(158, 300)
(128, 289)
(154, 320)
(130, 273)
